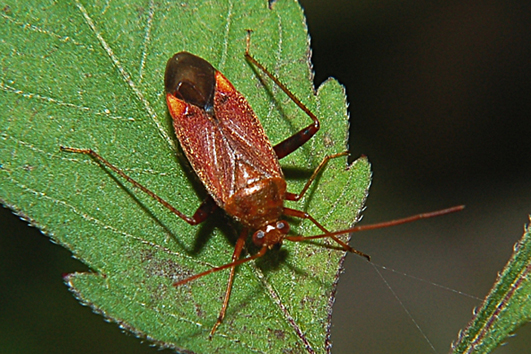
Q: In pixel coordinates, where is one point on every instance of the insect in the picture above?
(229, 151)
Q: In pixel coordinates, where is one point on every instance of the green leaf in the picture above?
(89, 75)
(507, 307)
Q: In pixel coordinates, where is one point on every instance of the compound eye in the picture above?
(282, 226)
(259, 238)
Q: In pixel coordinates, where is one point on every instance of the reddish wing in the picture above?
(221, 148)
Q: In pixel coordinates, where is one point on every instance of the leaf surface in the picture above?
(507, 307)
(90, 75)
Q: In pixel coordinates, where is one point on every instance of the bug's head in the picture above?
(272, 234)
(191, 79)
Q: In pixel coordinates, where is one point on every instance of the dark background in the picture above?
(439, 96)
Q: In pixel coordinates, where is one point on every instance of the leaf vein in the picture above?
(228, 24)
(125, 75)
(31, 95)
(38, 29)
(106, 226)
(147, 40)
(283, 309)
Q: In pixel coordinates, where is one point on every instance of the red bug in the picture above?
(228, 149)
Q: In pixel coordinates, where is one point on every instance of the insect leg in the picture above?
(298, 139)
(204, 210)
(296, 197)
(235, 256)
(295, 141)
(305, 215)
